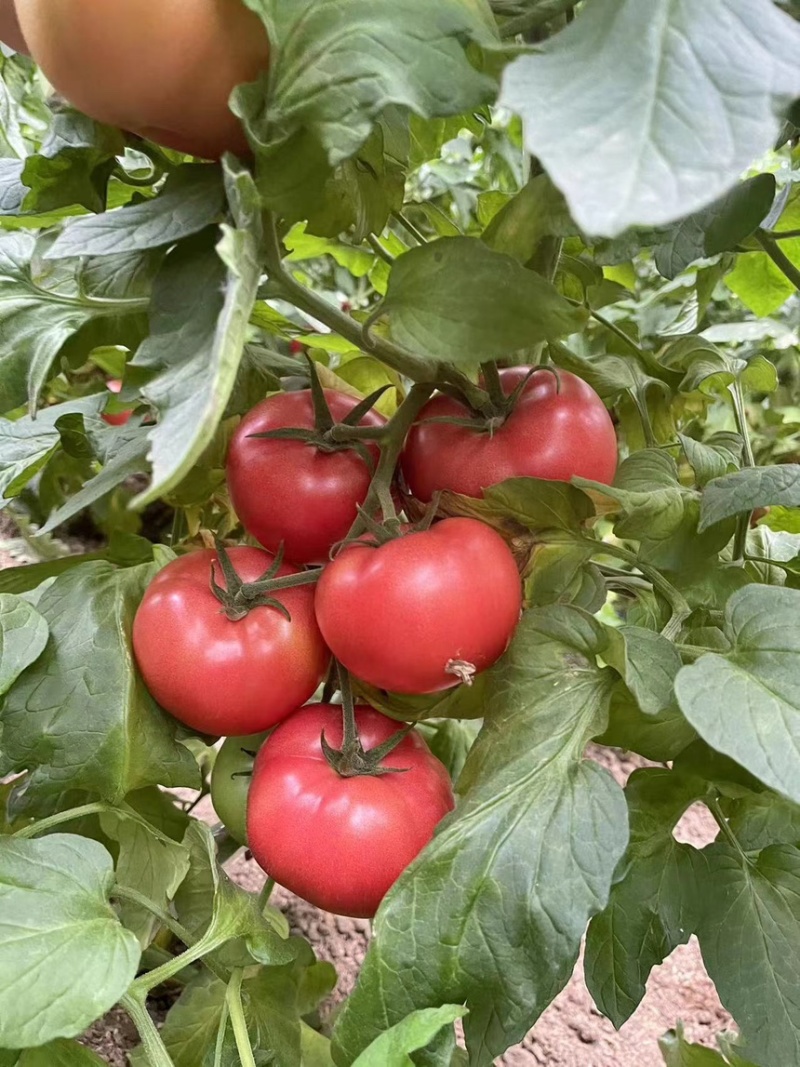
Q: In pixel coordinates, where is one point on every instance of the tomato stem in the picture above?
(233, 998)
(351, 760)
(154, 1048)
(238, 598)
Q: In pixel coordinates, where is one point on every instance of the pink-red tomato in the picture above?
(10, 33)
(341, 843)
(115, 418)
(415, 614)
(164, 69)
(291, 492)
(222, 677)
(559, 428)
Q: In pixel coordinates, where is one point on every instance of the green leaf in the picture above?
(125, 457)
(149, 862)
(54, 1054)
(65, 959)
(537, 211)
(645, 149)
(759, 283)
(73, 164)
(207, 895)
(81, 717)
(711, 370)
(192, 198)
(492, 912)
(23, 636)
(562, 574)
(450, 740)
(749, 934)
(190, 1028)
(656, 737)
(652, 908)
(39, 312)
(678, 1052)
(392, 1048)
(648, 664)
(408, 53)
(201, 305)
(457, 300)
(762, 819)
(718, 228)
(754, 487)
(713, 458)
(315, 1048)
(746, 703)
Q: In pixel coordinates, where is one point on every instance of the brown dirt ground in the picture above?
(571, 1033)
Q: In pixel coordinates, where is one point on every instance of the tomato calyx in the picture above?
(491, 416)
(238, 598)
(352, 760)
(328, 435)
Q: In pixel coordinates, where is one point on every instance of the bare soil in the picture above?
(571, 1033)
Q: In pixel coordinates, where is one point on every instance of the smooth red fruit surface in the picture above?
(221, 677)
(560, 428)
(10, 33)
(341, 843)
(290, 492)
(116, 418)
(164, 70)
(403, 616)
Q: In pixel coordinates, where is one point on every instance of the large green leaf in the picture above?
(367, 56)
(678, 1052)
(39, 312)
(749, 934)
(199, 318)
(746, 702)
(193, 198)
(664, 104)
(392, 1048)
(754, 487)
(58, 1053)
(65, 959)
(492, 912)
(81, 717)
(651, 910)
(23, 636)
(457, 300)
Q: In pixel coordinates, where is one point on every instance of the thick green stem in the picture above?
(42, 825)
(779, 257)
(680, 606)
(740, 415)
(409, 226)
(123, 892)
(380, 490)
(647, 359)
(208, 943)
(154, 1048)
(393, 355)
(379, 250)
(219, 1048)
(266, 893)
(233, 999)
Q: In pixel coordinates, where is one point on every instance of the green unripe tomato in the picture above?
(230, 782)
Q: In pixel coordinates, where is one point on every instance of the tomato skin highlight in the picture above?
(163, 70)
(397, 615)
(341, 843)
(290, 492)
(220, 677)
(559, 428)
(230, 782)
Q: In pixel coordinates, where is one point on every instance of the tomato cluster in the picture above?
(235, 642)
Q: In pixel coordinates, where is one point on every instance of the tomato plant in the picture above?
(341, 838)
(484, 313)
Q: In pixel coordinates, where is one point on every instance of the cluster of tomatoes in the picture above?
(235, 642)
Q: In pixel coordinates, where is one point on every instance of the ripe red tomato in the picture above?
(163, 70)
(341, 843)
(290, 492)
(221, 677)
(559, 428)
(403, 616)
(116, 418)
